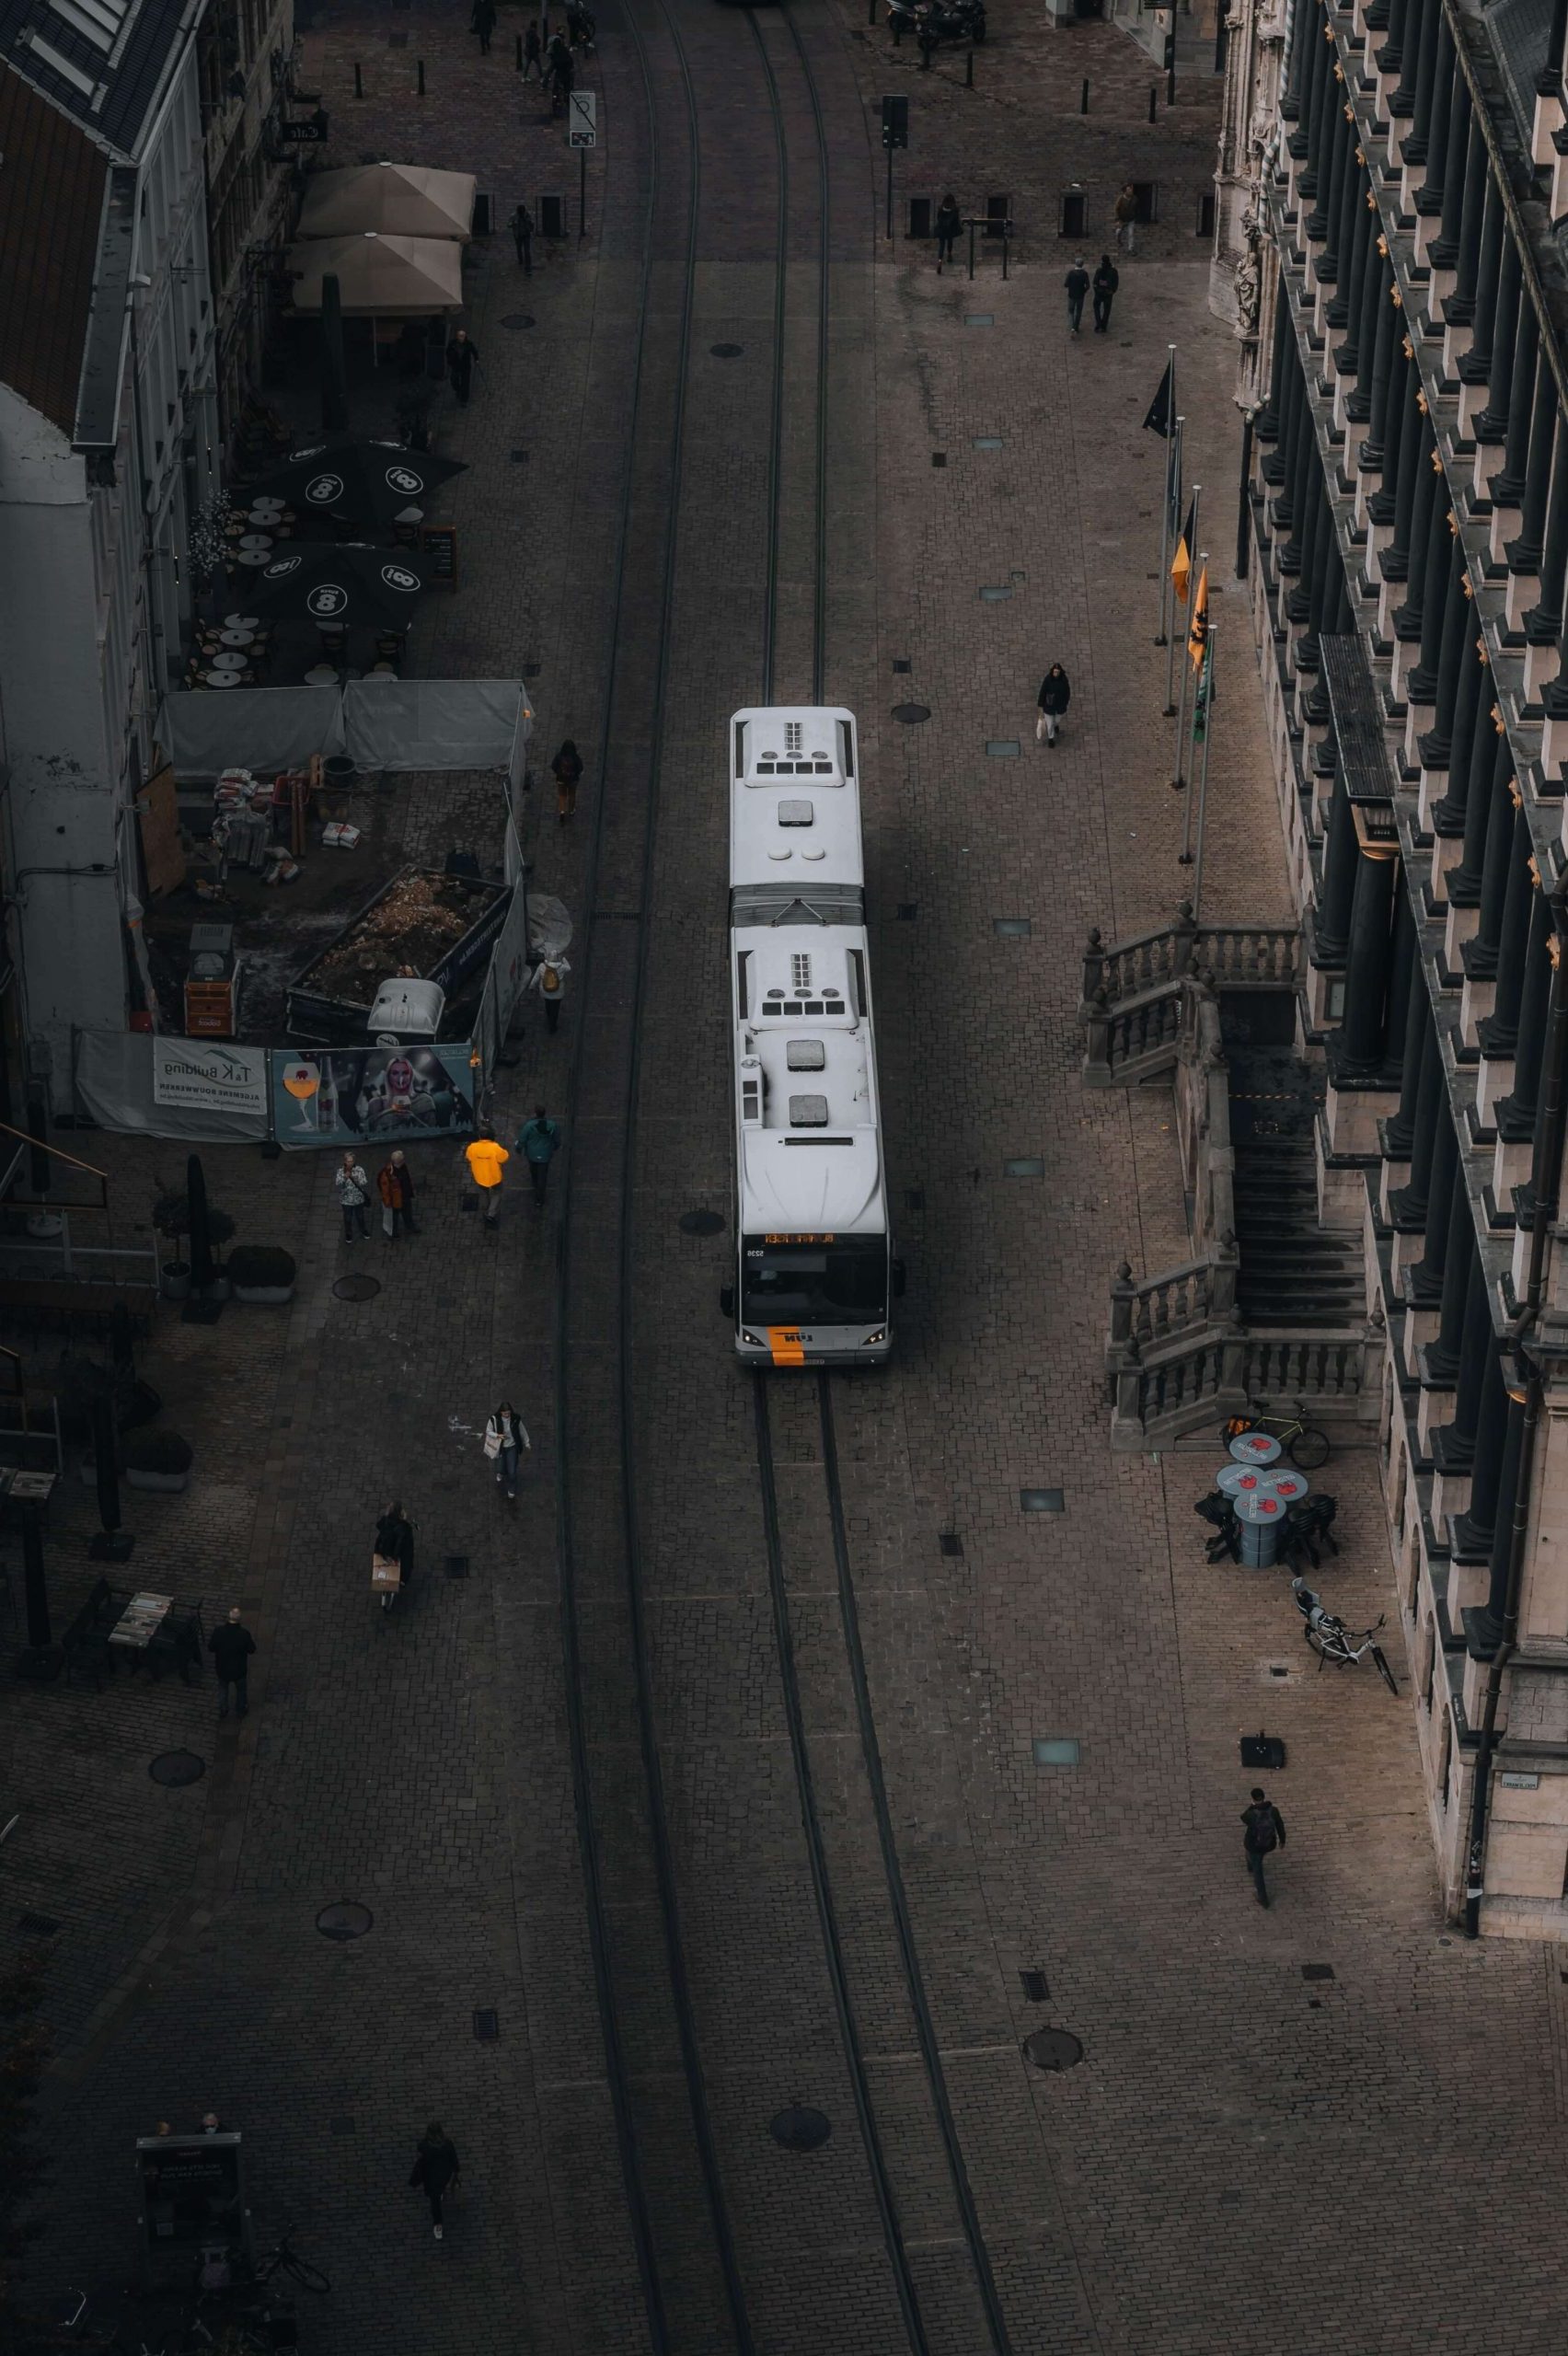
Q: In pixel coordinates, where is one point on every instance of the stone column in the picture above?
(1454, 1444)
(1407, 1204)
(1448, 814)
(1356, 1049)
(1507, 486)
(1499, 1031)
(1387, 396)
(1416, 148)
(1459, 248)
(1324, 219)
(1366, 329)
(1480, 880)
(1349, 306)
(1435, 747)
(1457, 1259)
(1330, 929)
(1313, 119)
(1426, 1275)
(1479, 295)
(1484, 1628)
(1445, 142)
(1517, 1111)
(1525, 554)
(1401, 99)
(1279, 467)
(1414, 498)
(1266, 425)
(1307, 480)
(1490, 360)
(1399, 1133)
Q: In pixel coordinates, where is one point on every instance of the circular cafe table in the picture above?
(242, 621)
(1261, 1513)
(1234, 1479)
(236, 638)
(257, 556)
(219, 678)
(266, 507)
(321, 674)
(1256, 1448)
(256, 541)
(231, 663)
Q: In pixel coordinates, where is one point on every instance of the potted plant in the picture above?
(172, 1216)
(158, 1459)
(261, 1271)
(174, 1280)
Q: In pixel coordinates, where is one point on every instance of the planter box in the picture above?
(174, 1281)
(172, 1483)
(271, 1295)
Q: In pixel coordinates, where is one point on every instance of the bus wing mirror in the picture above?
(900, 1278)
(727, 1300)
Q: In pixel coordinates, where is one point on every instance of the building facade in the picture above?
(1389, 176)
(245, 67)
(108, 447)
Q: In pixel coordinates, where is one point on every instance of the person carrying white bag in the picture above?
(505, 1435)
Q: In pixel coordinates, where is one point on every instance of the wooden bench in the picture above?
(42, 1300)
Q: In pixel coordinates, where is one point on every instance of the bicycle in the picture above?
(285, 2259)
(1328, 1636)
(1305, 1444)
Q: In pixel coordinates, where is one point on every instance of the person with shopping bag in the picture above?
(505, 1435)
(1055, 694)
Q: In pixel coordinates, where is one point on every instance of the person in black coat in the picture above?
(462, 359)
(1077, 284)
(1055, 694)
(482, 22)
(1107, 278)
(231, 1647)
(949, 221)
(436, 2170)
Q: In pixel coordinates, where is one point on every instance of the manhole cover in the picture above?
(177, 1767)
(1053, 2048)
(515, 319)
(800, 2131)
(701, 1223)
(911, 714)
(357, 1288)
(726, 351)
(345, 1920)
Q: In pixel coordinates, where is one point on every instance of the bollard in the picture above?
(1153, 102)
(420, 62)
(870, 12)
(1171, 87)
(1083, 97)
(359, 84)
(969, 71)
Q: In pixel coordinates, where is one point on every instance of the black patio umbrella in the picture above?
(354, 585)
(357, 482)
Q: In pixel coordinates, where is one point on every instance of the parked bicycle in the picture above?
(1305, 1444)
(1332, 1640)
(283, 2258)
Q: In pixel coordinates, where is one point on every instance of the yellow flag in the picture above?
(1197, 628)
(1181, 563)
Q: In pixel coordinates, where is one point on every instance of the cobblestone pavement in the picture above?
(1247, 2158)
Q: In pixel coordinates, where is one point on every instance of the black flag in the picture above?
(1161, 418)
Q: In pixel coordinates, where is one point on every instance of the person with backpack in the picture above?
(505, 1433)
(533, 55)
(1077, 284)
(1264, 1832)
(567, 770)
(1055, 694)
(538, 1141)
(548, 977)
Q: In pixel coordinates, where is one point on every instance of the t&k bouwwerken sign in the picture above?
(217, 1078)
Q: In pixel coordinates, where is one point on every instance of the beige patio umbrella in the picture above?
(399, 199)
(386, 278)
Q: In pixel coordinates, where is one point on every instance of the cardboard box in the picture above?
(385, 1574)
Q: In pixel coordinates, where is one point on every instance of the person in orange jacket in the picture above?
(487, 1159)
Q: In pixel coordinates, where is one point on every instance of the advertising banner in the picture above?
(210, 1075)
(340, 1096)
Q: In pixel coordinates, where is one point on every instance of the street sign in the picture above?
(582, 125)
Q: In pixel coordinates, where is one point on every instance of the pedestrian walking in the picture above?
(1077, 284)
(1126, 213)
(521, 219)
(562, 72)
(505, 1433)
(538, 1141)
(487, 1159)
(1107, 278)
(549, 980)
(533, 55)
(437, 2171)
(1055, 694)
(567, 770)
(395, 1184)
(353, 1188)
(462, 359)
(482, 22)
(949, 221)
(394, 1543)
(231, 1647)
(1264, 1832)
(580, 26)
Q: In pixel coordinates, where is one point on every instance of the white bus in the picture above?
(816, 1275)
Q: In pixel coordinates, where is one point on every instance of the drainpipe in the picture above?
(1546, 1174)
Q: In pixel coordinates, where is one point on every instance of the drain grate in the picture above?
(1013, 928)
(1054, 2049)
(1316, 1971)
(701, 1223)
(174, 1768)
(800, 2128)
(902, 663)
(357, 1288)
(911, 714)
(487, 2025)
(519, 458)
(979, 318)
(939, 458)
(726, 351)
(1036, 1986)
(344, 1919)
(1042, 1501)
(1027, 1165)
(907, 911)
(997, 595)
(341, 2126)
(515, 321)
(1055, 1749)
(37, 1927)
(986, 441)
(1002, 749)
(950, 1543)
(455, 1565)
(914, 1198)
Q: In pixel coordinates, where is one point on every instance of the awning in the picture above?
(397, 199)
(384, 277)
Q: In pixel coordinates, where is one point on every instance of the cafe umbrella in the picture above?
(360, 483)
(354, 585)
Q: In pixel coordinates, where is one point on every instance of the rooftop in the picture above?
(52, 210)
(104, 63)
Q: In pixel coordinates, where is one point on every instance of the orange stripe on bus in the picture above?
(786, 1344)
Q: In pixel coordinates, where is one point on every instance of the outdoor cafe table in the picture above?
(231, 663)
(256, 556)
(1256, 1448)
(153, 1629)
(236, 638)
(220, 678)
(242, 621)
(256, 541)
(1260, 1512)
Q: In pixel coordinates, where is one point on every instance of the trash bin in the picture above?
(1261, 1513)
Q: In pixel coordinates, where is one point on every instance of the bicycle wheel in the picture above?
(309, 2278)
(1308, 1448)
(1384, 1672)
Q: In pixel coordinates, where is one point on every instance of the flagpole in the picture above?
(1175, 601)
(1165, 518)
(1180, 750)
(1203, 775)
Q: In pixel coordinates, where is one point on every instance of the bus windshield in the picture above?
(808, 1280)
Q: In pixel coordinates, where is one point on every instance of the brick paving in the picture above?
(418, 1761)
